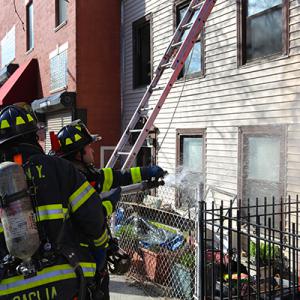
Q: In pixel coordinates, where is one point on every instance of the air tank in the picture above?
(16, 213)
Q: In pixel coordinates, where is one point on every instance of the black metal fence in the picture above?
(250, 251)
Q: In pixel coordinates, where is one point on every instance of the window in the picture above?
(29, 26)
(190, 162)
(193, 65)
(59, 67)
(263, 29)
(61, 11)
(262, 164)
(141, 52)
(8, 48)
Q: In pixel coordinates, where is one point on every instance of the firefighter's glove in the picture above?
(156, 172)
(110, 200)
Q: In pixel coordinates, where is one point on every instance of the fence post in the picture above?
(200, 259)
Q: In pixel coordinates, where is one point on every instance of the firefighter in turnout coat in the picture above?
(69, 218)
(75, 145)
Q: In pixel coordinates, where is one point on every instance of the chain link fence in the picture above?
(160, 238)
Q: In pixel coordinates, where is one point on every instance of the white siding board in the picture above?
(227, 96)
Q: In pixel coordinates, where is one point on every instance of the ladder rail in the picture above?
(177, 65)
(158, 73)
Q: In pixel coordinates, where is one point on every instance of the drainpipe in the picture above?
(122, 61)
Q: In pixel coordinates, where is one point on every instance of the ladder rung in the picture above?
(135, 130)
(167, 65)
(177, 44)
(123, 153)
(157, 88)
(187, 25)
(146, 109)
(195, 7)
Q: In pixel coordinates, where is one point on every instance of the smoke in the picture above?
(185, 182)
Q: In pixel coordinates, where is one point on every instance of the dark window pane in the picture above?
(264, 34)
(30, 33)
(257, 6)
(142, 54)
(61, 11)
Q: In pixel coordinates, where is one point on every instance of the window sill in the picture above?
(57, 28)
(29, 51)
(190, 77)
(64, 88)
(265, 59)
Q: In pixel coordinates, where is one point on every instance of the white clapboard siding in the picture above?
(226, 97)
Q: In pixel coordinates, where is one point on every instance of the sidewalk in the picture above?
(122, 288)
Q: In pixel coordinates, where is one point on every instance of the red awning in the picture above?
(21, 86)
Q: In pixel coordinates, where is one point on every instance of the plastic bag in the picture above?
(151, 234)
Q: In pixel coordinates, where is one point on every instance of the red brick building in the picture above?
(63, 57)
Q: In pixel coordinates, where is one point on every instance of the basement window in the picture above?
(194, 63)
(141, 32)
(263, 29)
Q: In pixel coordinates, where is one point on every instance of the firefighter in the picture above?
(67, 210)
(76, 146)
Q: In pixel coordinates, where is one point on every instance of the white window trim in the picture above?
(59, 49)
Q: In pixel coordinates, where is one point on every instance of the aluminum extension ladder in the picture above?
(174, 58)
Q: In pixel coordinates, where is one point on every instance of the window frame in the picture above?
(257, 131)
(242, 37)
(58, 24)
(201, 39)
(189, 132)
(135, 26)
(28, 33)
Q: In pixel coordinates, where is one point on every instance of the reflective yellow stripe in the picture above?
(51, 212)
(136, 174)
(20, 120)
(1, 228)
(29, 117)
(102, 240)
(68, 141)
(84, 245)
(81, 195)
(108, 179)
(4, 124)
(108, 207)
(46, 276)
(77, 137)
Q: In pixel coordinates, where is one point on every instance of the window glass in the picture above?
(30, 31)
(61, 11)
(193, 63)
(8, 47)
(142, 53)
(264, 158)
(263, 163)
(257, 6)
(192, 154)
(263, 29)
(264, 34)
(58, 70)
